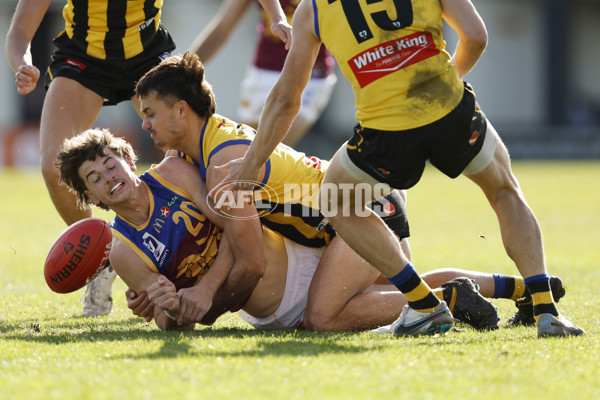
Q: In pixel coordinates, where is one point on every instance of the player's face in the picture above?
(109, 179)
(161, 120)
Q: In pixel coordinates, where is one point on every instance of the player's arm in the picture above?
(140, 279)
(244, 232)
(26, 20)
(462, 16)
(279, 24)
(218, 30)
(283, 102)
(238, 266)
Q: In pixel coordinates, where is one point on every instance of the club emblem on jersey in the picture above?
(164, 212)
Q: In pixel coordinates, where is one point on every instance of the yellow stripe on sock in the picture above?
(418, 293)
(519, 289)
(542, 298)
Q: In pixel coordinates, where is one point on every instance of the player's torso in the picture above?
(112, 30)
(288, 198)
(393, 53)
(176, 240)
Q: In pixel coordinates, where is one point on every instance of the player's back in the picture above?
(393, 53)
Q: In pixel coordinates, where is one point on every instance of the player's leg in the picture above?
(69, 108)
(344, 201)
(337, 298)
(520, 231)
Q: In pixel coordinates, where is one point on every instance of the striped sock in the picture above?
(448, 294)
(417, 292)
(543, 303)
(508, 287)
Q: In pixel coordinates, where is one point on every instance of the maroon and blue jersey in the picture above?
(177, 240)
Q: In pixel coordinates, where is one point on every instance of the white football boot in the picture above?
(97, 299)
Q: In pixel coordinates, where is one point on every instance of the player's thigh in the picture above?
(341, 275)
(69, 108)
(497, 174)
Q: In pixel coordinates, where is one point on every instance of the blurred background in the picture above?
(537, 81)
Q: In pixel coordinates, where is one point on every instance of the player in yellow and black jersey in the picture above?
(412, 107)
(105, 47)
(287, 191)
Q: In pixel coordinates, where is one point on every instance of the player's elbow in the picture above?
(476, 40)
(255, 268)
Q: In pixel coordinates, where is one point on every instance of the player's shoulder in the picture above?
(171, 167)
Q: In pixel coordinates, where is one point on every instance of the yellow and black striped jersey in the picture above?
(292, 180)
(112, 29)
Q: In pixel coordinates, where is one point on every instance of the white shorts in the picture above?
(257, 84)
(302, 264)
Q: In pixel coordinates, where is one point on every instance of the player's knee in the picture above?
(316, 321)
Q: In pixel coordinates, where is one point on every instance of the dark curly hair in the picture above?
(87, 146)
(180, 78)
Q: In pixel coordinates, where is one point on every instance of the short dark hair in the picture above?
(180, 78)
(87, 146)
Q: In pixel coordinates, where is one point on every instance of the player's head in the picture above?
(88, 146)
(179, 78)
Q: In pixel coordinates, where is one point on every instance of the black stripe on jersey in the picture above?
(80, 19)
(117, 25)
(296, 210)
(149, 12)
(293, 234)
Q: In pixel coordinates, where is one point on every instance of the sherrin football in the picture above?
(80, 252)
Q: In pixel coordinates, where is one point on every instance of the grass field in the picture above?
(48, 351)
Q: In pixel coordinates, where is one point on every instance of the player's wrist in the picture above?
(173, 315)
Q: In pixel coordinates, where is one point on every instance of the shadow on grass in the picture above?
(223, 341)
(201, 341)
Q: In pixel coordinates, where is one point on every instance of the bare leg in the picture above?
(69, 108)
(368, 235)
(520, 231)
(338, 298)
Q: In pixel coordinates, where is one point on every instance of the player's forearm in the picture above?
(169, 323)
(466, 55)
(18, 50)
(277, 117)
(273, 10)
(237, 288)
(25, 22)
(217, 32)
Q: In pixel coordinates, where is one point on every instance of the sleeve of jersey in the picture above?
(121, 234)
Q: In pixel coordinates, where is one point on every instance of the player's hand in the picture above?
(26, 79)
(194, 303)
(140, 305)
(283, 30)
(164, 295)
(239, 178)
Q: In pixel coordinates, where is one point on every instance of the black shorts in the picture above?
(114, 80)
(398, 157)
(392, 210)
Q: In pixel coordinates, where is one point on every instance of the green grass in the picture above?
(48, 351)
